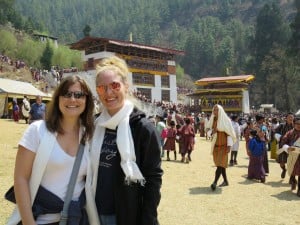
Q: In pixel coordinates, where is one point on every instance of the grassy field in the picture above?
(186, 196)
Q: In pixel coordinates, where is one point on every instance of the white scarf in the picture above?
(224, 124)
(120, 121)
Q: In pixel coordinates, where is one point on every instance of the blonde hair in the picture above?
(114, 64)
(119, 66)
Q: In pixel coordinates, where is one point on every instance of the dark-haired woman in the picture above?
(47, 152)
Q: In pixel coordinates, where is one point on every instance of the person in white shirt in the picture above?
(52, 144)
(235, 146)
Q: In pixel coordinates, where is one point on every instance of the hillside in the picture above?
(219, 37)
(66, 19)
(215, 35)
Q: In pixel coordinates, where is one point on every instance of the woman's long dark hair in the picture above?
(54, 115)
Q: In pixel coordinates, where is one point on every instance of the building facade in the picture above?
(231, 92)
(152, 69)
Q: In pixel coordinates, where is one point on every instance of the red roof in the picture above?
(87, 41)
(228, 79)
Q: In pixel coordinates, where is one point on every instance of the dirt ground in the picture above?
(186, 195)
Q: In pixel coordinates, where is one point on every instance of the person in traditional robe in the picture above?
(280, 131)
(256, 152)
(223, 137)
(290, 143)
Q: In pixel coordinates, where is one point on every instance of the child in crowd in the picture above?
(256, 156)
(170, 140)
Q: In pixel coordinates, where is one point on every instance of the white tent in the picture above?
(17, 89)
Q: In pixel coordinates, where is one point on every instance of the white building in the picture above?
(152, 69)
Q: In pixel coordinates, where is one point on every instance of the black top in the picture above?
(136, 204)
(108, 166)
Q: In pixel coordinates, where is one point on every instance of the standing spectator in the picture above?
(289, 142)
(257, 148)
(260, 123)
(10, 110)
(247, 135)
(160, 126)
(187, 141)
(38, 110)
(206, 119)
(123, 186)
(46, 155)
(16, 110)
(273, 140)
(202, 125)
(170, 140)
(280, 131)
(197, 122)
(223, 137)
(179, 138)
(236, 145)
(25, 109)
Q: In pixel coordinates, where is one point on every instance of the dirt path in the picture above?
(186, 196)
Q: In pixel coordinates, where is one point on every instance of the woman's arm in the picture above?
(23, 168)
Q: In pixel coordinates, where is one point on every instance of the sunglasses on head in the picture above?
(75, 94)
(114, 86)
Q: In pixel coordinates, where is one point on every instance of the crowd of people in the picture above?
(278, 134)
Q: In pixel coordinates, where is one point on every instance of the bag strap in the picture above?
(71, 185)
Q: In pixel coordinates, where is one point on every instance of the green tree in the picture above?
(66, 58)
(270, 33)
(6, 8)
(87, 30)
(46, 59)
(294, 43)
(8, 43)
(30, 51)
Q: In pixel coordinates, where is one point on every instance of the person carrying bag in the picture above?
(48, 152)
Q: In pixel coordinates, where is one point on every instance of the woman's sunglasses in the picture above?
(114, 86)
(75, 94)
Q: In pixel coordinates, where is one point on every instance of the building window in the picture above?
(144, 94)
(143, 79)
(165, 81)
(165, 95)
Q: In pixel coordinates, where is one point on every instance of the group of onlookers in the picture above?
(278, 134)
(282, 139)
(25, 110)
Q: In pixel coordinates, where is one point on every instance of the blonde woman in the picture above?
(124, 183)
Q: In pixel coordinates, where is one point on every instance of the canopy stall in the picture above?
(17, 89)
